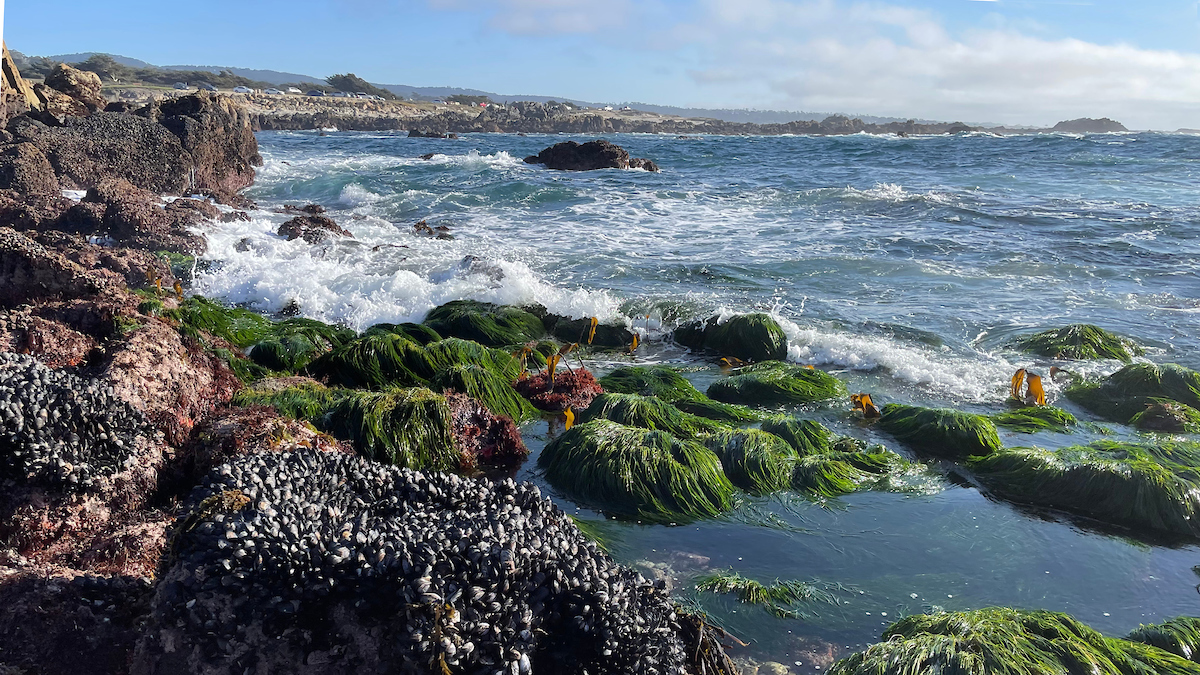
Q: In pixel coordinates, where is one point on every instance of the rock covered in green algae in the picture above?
(1036, 418)
(648, 413)
(481, 384)
(749, 337)
(777, 383)
(754, 460)
(1132, 389)
(1080, 342)
(1003, 641)
(1141, 486)
(488, 324)
(940, 432)
(1169, 417)
(665, 383)
(1180, 636)
(637, 472)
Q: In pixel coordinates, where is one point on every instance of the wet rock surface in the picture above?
(310, 562)
(600, 154)
(313, 229)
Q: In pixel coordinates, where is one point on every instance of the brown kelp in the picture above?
(1079, 342)
(1143, 486)
(749, 337)
(1036, 418)
(1180, 636)
(486, 387)
(940, 432)
(1003, 641)
(648, 413)
(776, 383)
(781, 598)
(1128, 391)
(665, 383)
(488, 324)
(754, 460)
(637, 472)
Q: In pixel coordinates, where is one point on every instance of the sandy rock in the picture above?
(56, 106)
(19, 93)
(81, 85)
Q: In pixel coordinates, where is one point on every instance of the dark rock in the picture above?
(196, 209)
(215, 131)
(24, 169)
(599, 154)
(748, 337)
(29, 272)
(644, 164)
(310, 209)
(133, 216)
(1087, 125)
(426, 133)
(608, 335)
(427, 156)
(234, 217)
(312, 229)
(81, 85)
(32, 211)
(119, 107)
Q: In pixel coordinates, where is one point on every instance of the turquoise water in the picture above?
(904, 266)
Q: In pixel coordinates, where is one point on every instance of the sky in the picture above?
(999, 61)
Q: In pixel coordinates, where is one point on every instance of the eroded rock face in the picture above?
(599, 154)
(215, 131)
(81, 85)
(25, 170)
(483, 435)
(133, 216)
(313, 229)
(29, 272)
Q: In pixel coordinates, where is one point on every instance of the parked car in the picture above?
(243, 90)
(274, 92)
(315, 92)
(181, 85)
(340, 94)
(293, 90)
(206, 86)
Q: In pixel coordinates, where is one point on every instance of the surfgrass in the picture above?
(806, 437)
(374, 361)
(404, 427)
(437, 356)
(751, 337)
(1081, 341)
(485, 323)
(754, 460)
(1036, 418)
(1131, 389)
(418, 333)
(648, 413)
(1003, 641)
(1142, 486)
(241, 327)
(780, 598)
(496, 394)
(1168, 416)
(637, 472)
(308, 402)
(940, 432)
(775, 383)
(293, 343)
(1180, 636)
(665, 383)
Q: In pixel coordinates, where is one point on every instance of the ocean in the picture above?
(904, 266)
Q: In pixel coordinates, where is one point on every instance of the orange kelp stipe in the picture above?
(178, 290)
(1035, 394)
(863, 402)
(633, 347)
(551, 364)
(522, 356)
(592, 330)
(569, 420)
(732, 362)
(1018, 379)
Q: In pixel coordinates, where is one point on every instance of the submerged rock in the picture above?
(777, 383)
(1140, 486)
(1079, 342)
(749, 337)
(313, 229)
(940, 432)
(1002, 640)
(488, 324)
(287, 561)
(1032, 419)
(648, 412)
(665, 383)
(1130, 390)
(599, 154)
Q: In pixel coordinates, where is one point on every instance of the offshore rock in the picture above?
(749, 337)
(318, 562)
(1087, 125)
(80, 85)
(313, 229)
(599, 154)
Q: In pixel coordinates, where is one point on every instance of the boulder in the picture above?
(215, 132)
(56, 106)
(940, 432)
(748, 337)
(81, 85)
(18, 93)
(31, 211)
(482, 435)
(25, 170)
(1080, 341)
(571, 389)
(599, 154)
(313, 229)
(134, 217)
(776, 383)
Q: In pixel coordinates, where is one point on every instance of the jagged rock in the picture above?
(24, 169)
(426, 133)
(29, 272)
(53, 342)
(193, 210)
(599, 154)
(18, 93)
(80, 85)
(56, 106)
(312, 229)
(215, 131)
(31, 211)
(131, 215)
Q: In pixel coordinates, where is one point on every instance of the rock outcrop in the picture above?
(80, 85)
(313, 229)
(216, 134)
(1088, 125)
(599, 154)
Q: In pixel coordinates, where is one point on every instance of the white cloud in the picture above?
(547, 17)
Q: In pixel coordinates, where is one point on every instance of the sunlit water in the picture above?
(904, 266)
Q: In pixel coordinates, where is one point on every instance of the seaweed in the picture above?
(751, 337)
(606, 335)
(241, 327)
(488, 324)
(418, 333)
(807, 437)
(1179, 636)
(648, 413)
(940, 432)
(405, 427)
(754, 460)
(1003, 641)
(1141, 486)
(1131, 389)
(776, 383)
(665, 383)
(437, 356)
(779, 597)
(1036, 418)
(293, 343)
(637, 472)
(496, 394)
(374, 362)
(311, 402)
(1168, 416)
(1079, 342)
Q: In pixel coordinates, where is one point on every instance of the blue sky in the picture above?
(1010, 61)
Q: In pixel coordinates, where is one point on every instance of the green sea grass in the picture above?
(405, 427)
(1131, 389)
(941, 432)
(648, 413)
(293, 343)
(754, 460)
(495, 393)
(1180, 636)
(1036, 418)
(488, 324)
(375, 361)
(418, 333)
(1080, 341)
(665, 383)
(775, 383)
(780, 598)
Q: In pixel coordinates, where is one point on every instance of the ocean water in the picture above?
(905, 266)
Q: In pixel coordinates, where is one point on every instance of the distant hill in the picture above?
(268, 76)
(84, 56)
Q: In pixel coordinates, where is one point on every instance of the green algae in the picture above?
(648, 413)
(488, 324)
(495, 393)
(373, 361)
(940, 432)
(1133, 388)
(665, 383)
(1003, 641)
(749, 337)
(1036, 418)
(637, 472)
(437, 356)
(1081, 341)
(1169, 417)
(782, 598)
(293, 343)
(1179, 636)
(1142, 486)
(754, 460)
(241, 327)
(806, 437)
(775, 383)
(418, 333)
